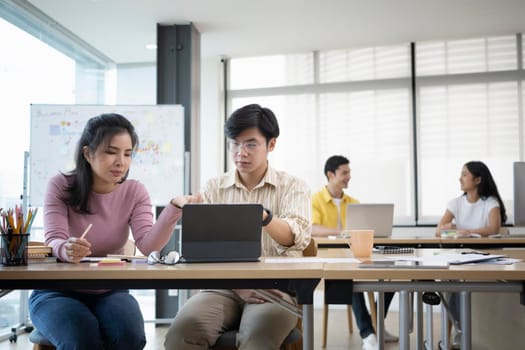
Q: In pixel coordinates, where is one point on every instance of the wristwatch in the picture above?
(269, 217)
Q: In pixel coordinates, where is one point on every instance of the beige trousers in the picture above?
(206, 315)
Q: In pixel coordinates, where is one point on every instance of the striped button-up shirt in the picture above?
(286, 196)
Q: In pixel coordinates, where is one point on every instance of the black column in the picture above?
(178, 82)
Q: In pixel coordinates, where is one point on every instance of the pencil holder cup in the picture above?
(13, 250)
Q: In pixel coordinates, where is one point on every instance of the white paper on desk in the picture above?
(309, 260)
(450, 258)
(500, 261)
(459, 259)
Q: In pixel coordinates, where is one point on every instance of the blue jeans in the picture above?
(362, 317)
(77, 321)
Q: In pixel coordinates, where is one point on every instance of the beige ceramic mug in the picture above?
(361, 242)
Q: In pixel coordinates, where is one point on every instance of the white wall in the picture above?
(136, 84)
(212, 118)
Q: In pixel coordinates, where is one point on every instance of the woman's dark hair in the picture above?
(333, 163)
(98, 131)
(487, 186)
(252, 116)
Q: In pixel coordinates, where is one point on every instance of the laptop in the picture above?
(221, 232)
(377, 217)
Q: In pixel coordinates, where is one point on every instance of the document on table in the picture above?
(500, 261)
(451, 258)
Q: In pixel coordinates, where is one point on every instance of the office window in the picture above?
(467, 107)
(466, 117)
(366, 117)
(466, 56)
(32, 72)
(37, 65)
(364, 64)
(373, 129)
(286, 70)
(459, 123)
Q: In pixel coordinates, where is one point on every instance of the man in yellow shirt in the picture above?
(329, 204)
(329, 218)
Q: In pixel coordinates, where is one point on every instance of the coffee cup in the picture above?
(361, 242)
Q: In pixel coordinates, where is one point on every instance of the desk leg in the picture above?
(308, 326)
(380, 320)
(419, 320)
(445, 340)
(404, 320)
(429, 342)
(465, 318)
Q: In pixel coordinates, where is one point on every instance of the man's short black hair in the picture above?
(333, 163)
(252, 116)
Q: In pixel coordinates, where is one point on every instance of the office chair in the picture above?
(293, 341)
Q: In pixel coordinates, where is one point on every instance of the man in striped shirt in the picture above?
(252, 133)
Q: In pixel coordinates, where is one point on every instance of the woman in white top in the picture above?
(479, 209)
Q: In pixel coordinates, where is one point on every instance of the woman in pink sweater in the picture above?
(97, 193)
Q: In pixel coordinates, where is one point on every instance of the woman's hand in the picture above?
(180, 201)
(77, 249)
(447, 226)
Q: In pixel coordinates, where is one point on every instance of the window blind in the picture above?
(364, 64)
(466, 56)
(271, 71)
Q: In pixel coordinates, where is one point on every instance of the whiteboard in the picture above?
(158, 162)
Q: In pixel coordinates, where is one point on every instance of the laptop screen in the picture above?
(221, 232)
(377, 217)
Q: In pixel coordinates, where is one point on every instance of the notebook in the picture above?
(383, 249)
(378, 217)
(221, 232)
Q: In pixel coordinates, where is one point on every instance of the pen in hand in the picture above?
(86, 231)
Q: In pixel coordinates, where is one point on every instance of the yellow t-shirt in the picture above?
(324, 210)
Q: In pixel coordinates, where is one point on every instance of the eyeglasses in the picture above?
(235, 146)
(172, 258)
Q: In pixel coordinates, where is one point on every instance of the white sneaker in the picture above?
(456, 339)
(370, 342)
(389, 337)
